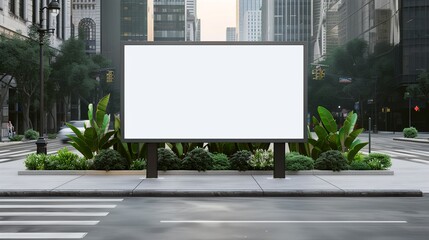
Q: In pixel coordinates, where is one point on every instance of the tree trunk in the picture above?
(26, 113)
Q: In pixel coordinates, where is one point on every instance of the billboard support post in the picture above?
(152, 160)
(279, 160)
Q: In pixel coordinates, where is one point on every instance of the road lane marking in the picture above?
(57, 206)
(3, 151)
(5, 159)
(21, 154)
(52, 235)
(60, 200)
(21, 151)
(53, 214)
(281, 222)
(48, 223)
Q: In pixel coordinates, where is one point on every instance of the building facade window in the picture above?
(12, 6)
(87, 32)
(22, 9)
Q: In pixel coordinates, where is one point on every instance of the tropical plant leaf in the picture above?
(327, 119)
(81, 146)
(352, 136)
(352, 153)
(101, 110)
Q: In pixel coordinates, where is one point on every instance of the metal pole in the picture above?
(152, 160)
(41, 142)
(409, 111)
(369, 135)
(279, 160)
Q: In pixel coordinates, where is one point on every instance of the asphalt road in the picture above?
(217, 218)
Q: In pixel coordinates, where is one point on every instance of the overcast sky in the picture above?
(216, 16)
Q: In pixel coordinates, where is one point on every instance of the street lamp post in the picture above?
(53, 9)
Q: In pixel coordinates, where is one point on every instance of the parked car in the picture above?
(65, 131)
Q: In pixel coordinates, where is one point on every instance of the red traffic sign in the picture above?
(416, 108)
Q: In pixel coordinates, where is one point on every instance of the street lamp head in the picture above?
(54, 8)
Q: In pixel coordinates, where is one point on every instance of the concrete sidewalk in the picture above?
(409, 180)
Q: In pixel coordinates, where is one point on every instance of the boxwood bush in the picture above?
(220, 161)
(298, 162)
(30, 134)
(197, 159)
(410, 132)
(331, 160)
(167, 160)
(36, 161)
(378, 161)
(16, 138)
(262, 160)
(109, 159)
(359, 165)
(240, 160)
(65, 160)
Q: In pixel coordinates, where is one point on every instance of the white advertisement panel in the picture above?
(213, 92)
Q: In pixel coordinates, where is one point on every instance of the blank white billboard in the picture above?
(213, 92)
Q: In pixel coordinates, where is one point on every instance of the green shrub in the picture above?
(378, 161)
(16, 138)
(410, 132)
(36, 161)
(109, 159)
(167, 160)
(52, 135)
(331, 160)
(30, 134)
(262, 160)
(240, 160)
(138, 164)
(220, 161)
(298, 162)
(359, 165)
(197, 159)
(65, 160)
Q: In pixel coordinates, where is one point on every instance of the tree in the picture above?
(421, 88)
(72, 72)
(20, 60)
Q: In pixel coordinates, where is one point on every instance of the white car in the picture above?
(65, 131)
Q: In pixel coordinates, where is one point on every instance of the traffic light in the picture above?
(318, 73)
(110, 76)
(321, 74)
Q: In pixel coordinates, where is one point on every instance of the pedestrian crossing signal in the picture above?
(110, 76)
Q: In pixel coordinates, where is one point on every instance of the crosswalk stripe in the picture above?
(53, 214)
(21, 151)
(48, 223)
(22, 154)
(60, 200)
(3, 151)
(4, 159)
(57, 206)
(52, 235)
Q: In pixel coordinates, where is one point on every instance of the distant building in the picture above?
(249, 20)
(192, 22)
(169, 20)
(231, 34)
(86, 24)
(287, 20)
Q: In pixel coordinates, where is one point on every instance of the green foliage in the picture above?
(36, 161)
(378, 161)
(65, 160)
(130, 151)
(359, 165)
(167, 160)
(138, 164)
(421, 89)
(220, 161)
(410, 132)
(298, 162)
(262, 160)
(197, 159)
(229, 148)
(30, 134)
(331, 160)
(96, 136)
(52, 135)
(16, 138)
(109, 159)
(240, 160)
(328, 138)
(181, 149)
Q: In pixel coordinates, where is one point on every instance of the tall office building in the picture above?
(169, 20)
(231, 34)
(192, 26)
(287, 20)
(86, 24)
(134, 23)
(249, 20)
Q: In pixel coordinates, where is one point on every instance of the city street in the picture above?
(214, 218)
